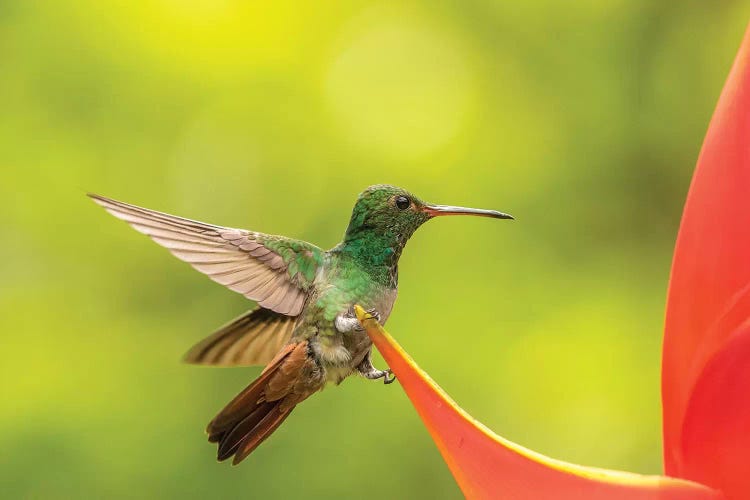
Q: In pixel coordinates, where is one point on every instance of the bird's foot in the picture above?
(367, 370)
(347, 322)
(374, 374)
(373, 313)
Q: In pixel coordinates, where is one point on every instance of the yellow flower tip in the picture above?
(363, 316)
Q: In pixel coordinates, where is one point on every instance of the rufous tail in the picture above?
(256, 412)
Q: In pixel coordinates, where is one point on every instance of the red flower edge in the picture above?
(706, 356)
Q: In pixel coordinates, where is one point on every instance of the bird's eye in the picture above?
(402, 202)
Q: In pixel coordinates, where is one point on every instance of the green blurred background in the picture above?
(583, 119)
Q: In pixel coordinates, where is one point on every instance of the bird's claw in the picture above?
(374, 314)
(387, 375)
(348, 321)
(370, 372)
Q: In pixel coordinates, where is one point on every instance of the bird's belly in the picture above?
(340, 353)
(336, 374)
(332, 351)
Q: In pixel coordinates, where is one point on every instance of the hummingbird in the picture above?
(303, 329)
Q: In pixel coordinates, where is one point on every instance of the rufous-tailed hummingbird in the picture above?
(304, 329)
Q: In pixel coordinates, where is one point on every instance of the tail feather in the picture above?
(260, 432)
(246, 401)
(255, 413)
(231, 440)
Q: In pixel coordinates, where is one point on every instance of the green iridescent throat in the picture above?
(375, 254)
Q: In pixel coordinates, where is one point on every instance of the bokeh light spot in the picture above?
(400, 88)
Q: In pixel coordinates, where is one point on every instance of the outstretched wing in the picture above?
(252, 339)
(274, 271)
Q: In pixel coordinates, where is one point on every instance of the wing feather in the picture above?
(254, 264)
(252, 339)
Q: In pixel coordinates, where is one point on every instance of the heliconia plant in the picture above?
(487, 466)
(706, 355)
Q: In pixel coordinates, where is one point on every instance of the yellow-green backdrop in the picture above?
(583, 119)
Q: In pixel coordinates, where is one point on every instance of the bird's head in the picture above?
(387, 216)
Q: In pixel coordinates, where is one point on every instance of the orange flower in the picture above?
(706, 360)
(486, 465)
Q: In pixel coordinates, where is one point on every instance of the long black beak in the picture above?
(438, 210)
